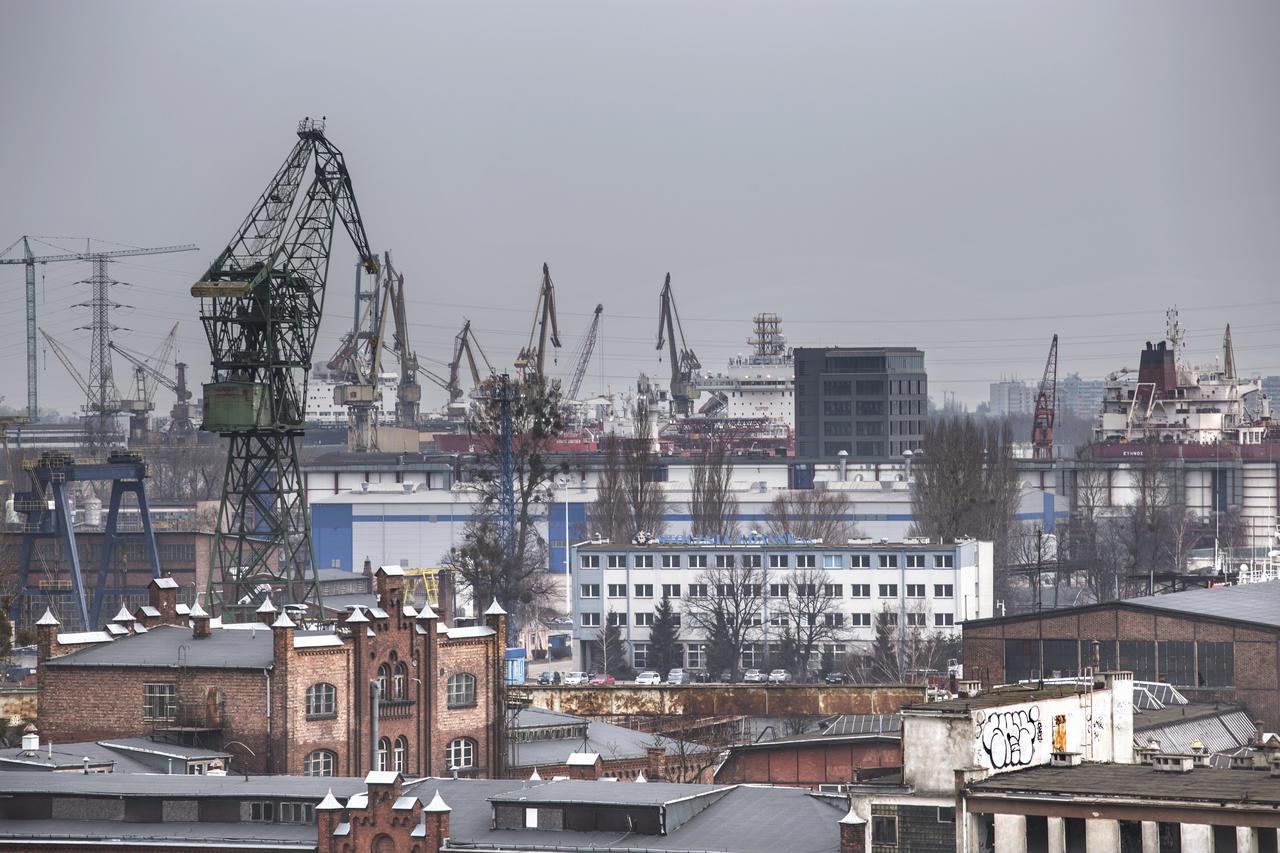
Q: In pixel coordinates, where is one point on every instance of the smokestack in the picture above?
(843, 456)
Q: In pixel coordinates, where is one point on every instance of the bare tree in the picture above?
(727, 611)
(811, 606)
(812, 514)
(905, 653)
(712, 504)
(629, 498)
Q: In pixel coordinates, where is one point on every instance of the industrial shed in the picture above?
(1218, 644)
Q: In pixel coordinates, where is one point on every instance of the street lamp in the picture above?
(562, 482)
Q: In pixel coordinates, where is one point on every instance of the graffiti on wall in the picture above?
(1009, 738)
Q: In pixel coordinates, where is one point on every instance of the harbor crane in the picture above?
(684, 363)
(181, 428)
(100, 283)
(140, 406)
(408, 391)
(531, 362)
(260, 304)
(1046, 406)
(584, 355)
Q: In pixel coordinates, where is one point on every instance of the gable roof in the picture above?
(171, 645)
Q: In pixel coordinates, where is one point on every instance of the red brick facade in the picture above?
(809, 764)
(259, 714)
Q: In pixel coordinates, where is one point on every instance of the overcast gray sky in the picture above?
(967, 177)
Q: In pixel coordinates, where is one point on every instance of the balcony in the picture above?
(391, 709)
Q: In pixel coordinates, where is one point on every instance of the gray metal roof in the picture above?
(610, 741)
(1223, 730)
(170, 645)
(745, 819)
(1257, 603)
(1140, 782)
(177, 786)
(864, 724)
(179, 835)
(587, 792)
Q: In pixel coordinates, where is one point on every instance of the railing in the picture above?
(390, 709)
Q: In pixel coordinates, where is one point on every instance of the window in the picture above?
(943, 561)
(384, 753)
(888, 590)
(461, 754)
(644, 620)
(321, 701)
(807, 590)
(697, 561)
(644, 561)
(944, 620)
(1177, 662)
(1060, 658)
(297, 813)
(384, 679)
(837, 428)
(616, 561)
(946, 814)
(888, 561)
(1021, 659)
(697, 655)
(943, 590)
(1138, 657)
(644, 590)
(860, 620)
(870, 428)
(724, 561)
(319, 763)
(697, 590)
(399, 754)
(590, 590)
(400, 682)
(884, 828)
(262, 812)
(590, 561)
(837, 408)
(887, 618)
(834, 620)
(860, 590)
(806, 561)
(915, 620)
(870, 387)
(832, 561)
(159, 701)
(833, 590)
(837, 388)
(617, 619)
(752, 590)
(915, 590)
(671, 590)
(778, 620)
(859, 561)
(590, 620)
(870, 407)
(752, 655)
(752, 561)
(777, 590)
(1216, 664)
(617, 590)
(462, 690)
(670, 561)
(777, 561)
(639, 655)
(915, 561)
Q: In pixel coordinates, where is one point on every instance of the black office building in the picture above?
(869, 401)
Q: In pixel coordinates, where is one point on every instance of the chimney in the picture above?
(1258, 732)
(496, 618)
(388, 583)
(199, 622)
(162, 594)
(328, 813)
(266, 612)
(436, 818)
(584, 765)
(853, 833)
(281, 639)
(124, 619)
(46, 635)
(655, 761)
(368, 568)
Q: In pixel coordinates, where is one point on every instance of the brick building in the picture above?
(1219, 644)
(388, 688)
(851, 748)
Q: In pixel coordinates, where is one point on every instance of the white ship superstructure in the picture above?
(323, 411)
(760, 385)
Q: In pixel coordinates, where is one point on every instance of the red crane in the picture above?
(1046, 405)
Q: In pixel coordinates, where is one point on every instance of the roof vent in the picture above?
(1170, 763)
(1064, 759)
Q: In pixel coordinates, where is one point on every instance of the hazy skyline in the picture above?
(968, 178)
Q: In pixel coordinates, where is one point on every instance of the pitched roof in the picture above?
(222, 649)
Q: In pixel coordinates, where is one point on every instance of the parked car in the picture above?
(779, 676)
(753, 676)
(677, 676)
(575, 679)
(726, 677)
(601, 678)
(701, 676)
(838, 678)
(649, 677)
(549, 677)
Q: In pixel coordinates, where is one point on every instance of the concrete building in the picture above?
(387, 688)
(1211, 644)
(870, 402)
(984, 734)
(1011, 397)
(929, 586)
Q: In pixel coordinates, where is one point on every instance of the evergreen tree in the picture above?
(611, 652)
(664, 653)
(884, 651)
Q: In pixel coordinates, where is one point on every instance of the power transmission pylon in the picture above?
(261, 302)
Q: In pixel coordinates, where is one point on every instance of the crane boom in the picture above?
(684, 363)
(584, 355)
(1046, 407)
(66, 361)
(545, 327)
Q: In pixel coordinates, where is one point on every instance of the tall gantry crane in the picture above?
(358, 362)
(408, 391)
(684, 363)
(260, 303)
(141, 403)
(1046, 406)
(584, 355)
(181, 429)
(101, 282)
(532, 360)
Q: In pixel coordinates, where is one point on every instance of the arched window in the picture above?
(384, 844)
(384, 678)
(399, 682)
(400, 754)
(462, 690)
(384, 747)
(461, 754)
(322, 762)
(322, 701)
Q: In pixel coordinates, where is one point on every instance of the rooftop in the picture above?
(1137, 782)
(609, 741)
(591, 792)
(173, 645)
(1010, 695)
